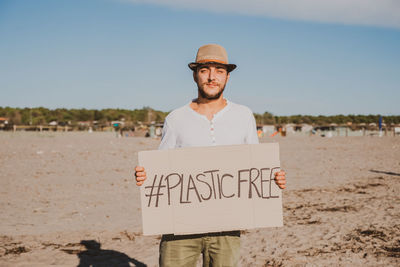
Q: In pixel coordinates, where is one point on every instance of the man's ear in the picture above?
(227, 76)
(195, 76)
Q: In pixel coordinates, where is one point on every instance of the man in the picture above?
(208, 120)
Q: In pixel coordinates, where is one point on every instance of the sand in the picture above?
(65, 194)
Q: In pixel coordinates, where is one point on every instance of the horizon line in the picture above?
(276, 115)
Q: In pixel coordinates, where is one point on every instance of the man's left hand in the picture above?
(280, 179)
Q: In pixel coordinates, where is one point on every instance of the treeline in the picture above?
(268, 118)
(43, 116)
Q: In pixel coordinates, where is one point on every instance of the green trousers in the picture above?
(218, 249)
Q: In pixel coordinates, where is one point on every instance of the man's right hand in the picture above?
(140, 174)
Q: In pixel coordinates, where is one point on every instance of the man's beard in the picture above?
(208, 96)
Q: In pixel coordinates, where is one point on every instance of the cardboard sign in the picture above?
(210, 189)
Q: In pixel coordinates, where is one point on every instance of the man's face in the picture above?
(211, 80)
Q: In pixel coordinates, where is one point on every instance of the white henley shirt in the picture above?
(233, 125)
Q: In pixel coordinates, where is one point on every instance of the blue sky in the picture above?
(134, 53)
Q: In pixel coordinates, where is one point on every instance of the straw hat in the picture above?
(211, 53)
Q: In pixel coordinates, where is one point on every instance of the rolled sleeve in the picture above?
(252, 137)
(168, 139)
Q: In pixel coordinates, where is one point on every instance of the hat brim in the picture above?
(193, 66)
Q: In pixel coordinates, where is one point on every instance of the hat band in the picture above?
(212, 60)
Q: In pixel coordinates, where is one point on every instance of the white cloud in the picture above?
(384, 13)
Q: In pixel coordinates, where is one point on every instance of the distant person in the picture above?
(208, 120)
(152, 131)
(117, 128)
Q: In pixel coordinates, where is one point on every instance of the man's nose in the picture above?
(211, 75)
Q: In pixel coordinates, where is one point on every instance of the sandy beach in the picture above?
(63, 195)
